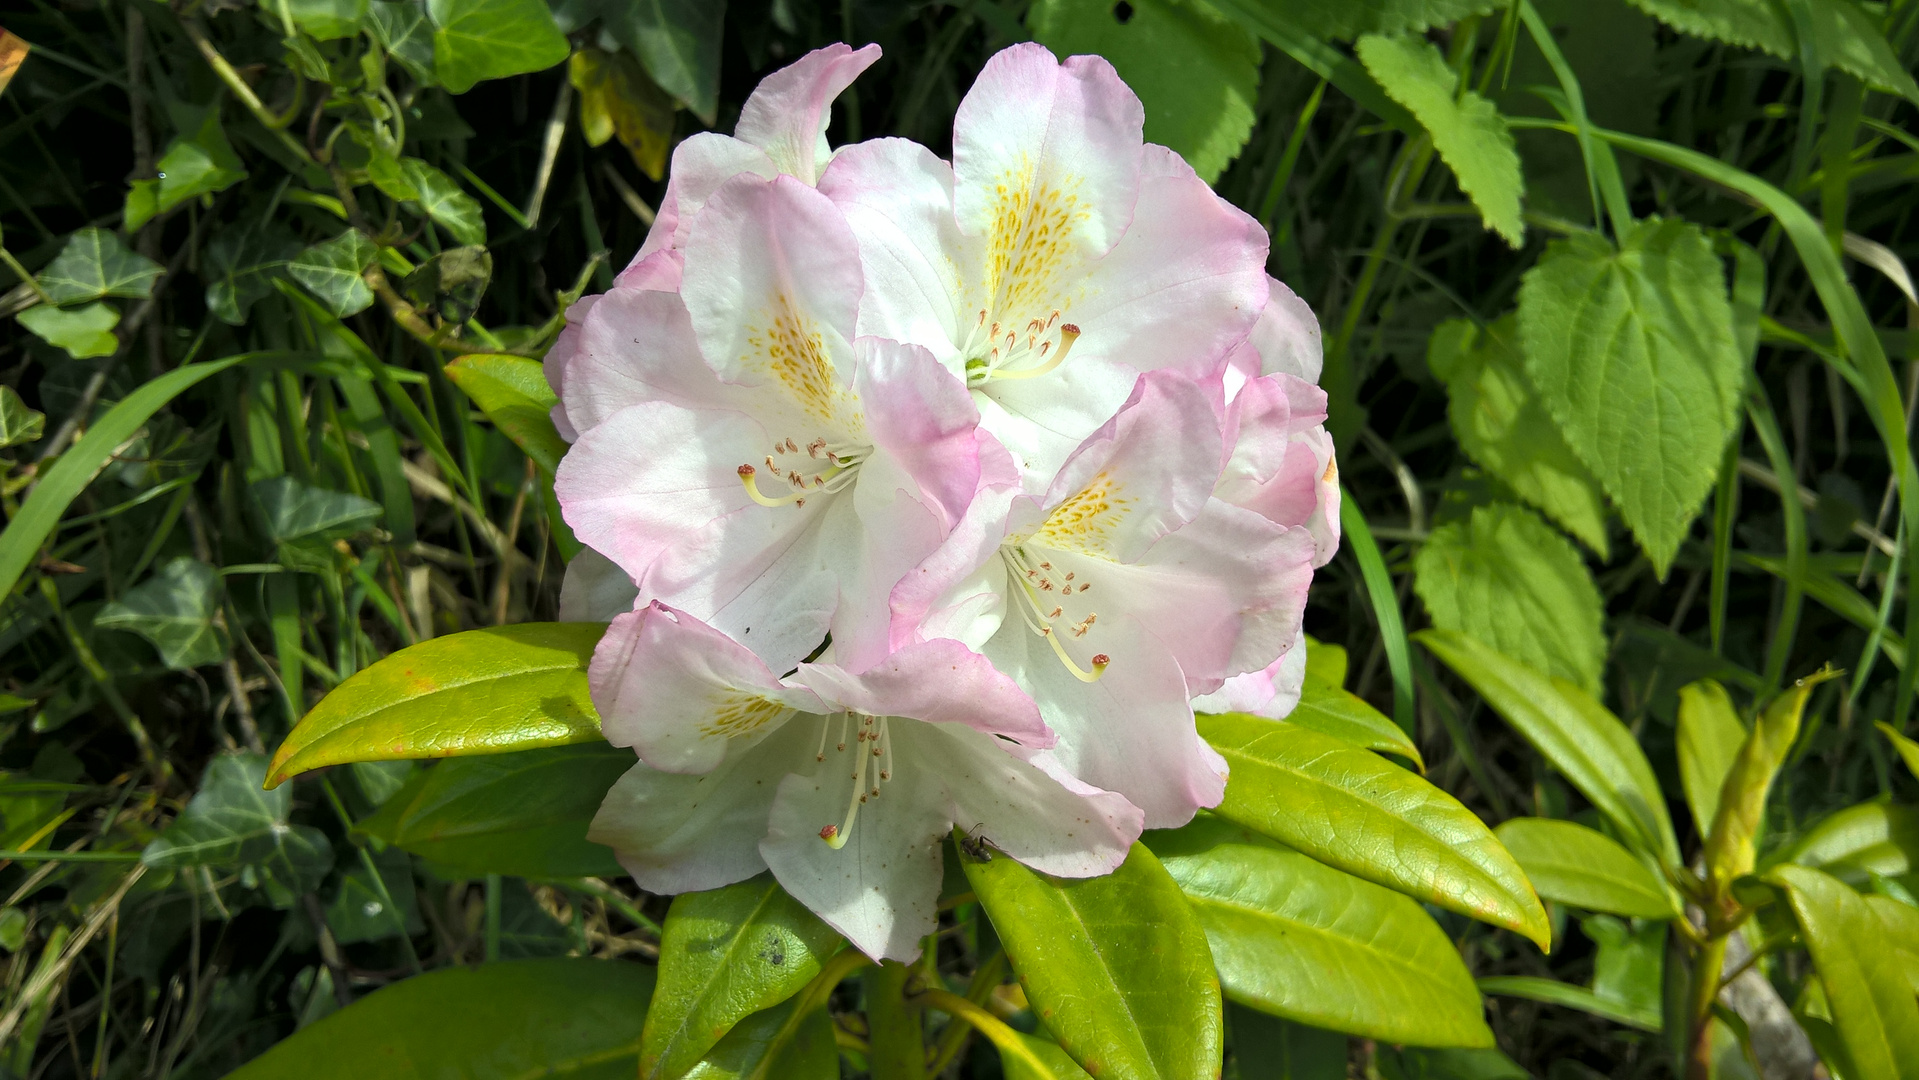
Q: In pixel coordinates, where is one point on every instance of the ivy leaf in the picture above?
(1632, 350)
(1503, 426)
(331, 271)
(174, 610)
(406, 33)
(197, 163)
(240, 266)
(82, 332)
(1509, 580)
(96, 263)
(18, 424)
(679, 43)
(304, 520)
(359, 912)
(327, 20)
(1196, 72)
(474, 40)
(444, 202)
(1467, 129)
(451, 282)
(233, 824)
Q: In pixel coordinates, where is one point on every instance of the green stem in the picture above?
(897, 1028)
(1702, 992)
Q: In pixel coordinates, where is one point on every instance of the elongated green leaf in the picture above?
(83, 331)
(1279, 922)
(512, 392)
(1710, 735)
(1195, 71)
(1349, 808)
(725, 955)
(1507, 579)
(1870, 838)
(475, 40)
(1908, 749)
(1552, 992)
(1900, 921)
(1501, 424)
(577, 1019)
(524, 813)
(1572, 864)
(1385, 605)
(811, 1055)
(174, 610)
(331, 272)
(1331, 711)
(1117, 967)
(1872, 1002)
(478, 692)
(95, 264)
(1586, 743)
(1732, 848)
(29, 528)
(1467, 130)
(1630, 965)
(1638, 338)
(232, 824)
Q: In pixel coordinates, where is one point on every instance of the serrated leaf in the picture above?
(475, 40)
(233, 824)
(331, 271)
(479, 692)
(1351, 809)
(1277, 922)
(513, 392)
(679, 43)
(524, 814)
(1195, 71)
(1847, 37)
(174, 610)
(96, 263)
(1571, 864)
(1467, 130)
(1632, 351)
(1872, 1003)
(1578, 736)
(443, 200)
(568, 1019)
(726, 954)
(1710, 735)
(1508, 580)
(1331, 711)
(18, 424)
(1503, 426)
(1117, 967)
(83, 331)
(198, 162)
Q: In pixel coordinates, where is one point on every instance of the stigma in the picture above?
(1046, 596)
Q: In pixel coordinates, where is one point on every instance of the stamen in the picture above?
(839, 835)
(1068, 333)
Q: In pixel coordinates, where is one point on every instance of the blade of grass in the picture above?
(1379, 590)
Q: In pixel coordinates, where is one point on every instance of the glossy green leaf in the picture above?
(1847, 38)
(1279, 922)
(1351, 809)
(1466, 129)
(1506, 578)
(1117, 967)
(96, 263)
(1908, 749)
(1900, 921)
(1638, 338)
(332, 271)
(233, 825)
(678, 41)
(560, 1018)
(1059, 1065)
(1571, 864)
(1552, 992)
(811, 1055)
(1872, 1002)
(327, 20)
(1732, 848)
(1195, 71)
(83, 331)
(1325, 662)
(18, 424)
(198, 162)
(479, 692)
(1331, 711)
(726, 954)
(174, 610)
(1579, 737)
(405, 31)
(1417, 1063)
(1502, 425)
(1710, 736)
(513, 393)
(1870, 838)
(76, 468)
(475, 40)
(444, 201)
(524, 814)
(1630, 965)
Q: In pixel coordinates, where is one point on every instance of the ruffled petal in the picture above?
(787, 113)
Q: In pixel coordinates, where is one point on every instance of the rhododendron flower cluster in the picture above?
(923, 495)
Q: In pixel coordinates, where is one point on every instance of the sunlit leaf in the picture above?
(1572, 864)
(406, 33)
(83, 331)
(475, 40)
(1850, 844)
(234, 825)
(198, 162)
(18, 424)
(811, 1055)
(174, 610)
(332, 271)
(96, 263)
(1710, 735)
(1731, 850)
(1872, 1002)
(618, 99)
(327, 20)
(513, 393)
(443, 200)
(1908, 749)
(1331, 711)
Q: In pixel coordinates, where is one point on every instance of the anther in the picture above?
(828, 832)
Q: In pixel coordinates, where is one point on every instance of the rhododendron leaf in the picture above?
(512, 392)
(1503, 426)
(1278, 920)
(1351, 809)
(1571, 864)
(811, 1055)
(1117, 967)
(1732, 847)
(1908, 749)
(524, 814)
(1632, 350)
(1466, 129)
(1870, 838)
(726, 954)
(1332, 711)
(492, 39)
(1507, 579)
(1587, 744)
(1872, 1003)
(1195, 71)
(552, 1017)
(478, 692)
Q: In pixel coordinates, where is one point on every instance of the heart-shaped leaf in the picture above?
(95, 264)
(174, 610)
(234, 824)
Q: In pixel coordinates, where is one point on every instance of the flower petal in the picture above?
(701, 163)
(1272, 691)
(787, 113)
(631, 346)
(1034, 810)
(922, 417)
(939, 681)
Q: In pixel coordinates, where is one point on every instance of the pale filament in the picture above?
(831, 468)
(872, 756)
(1033, 582)
(996, 351)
